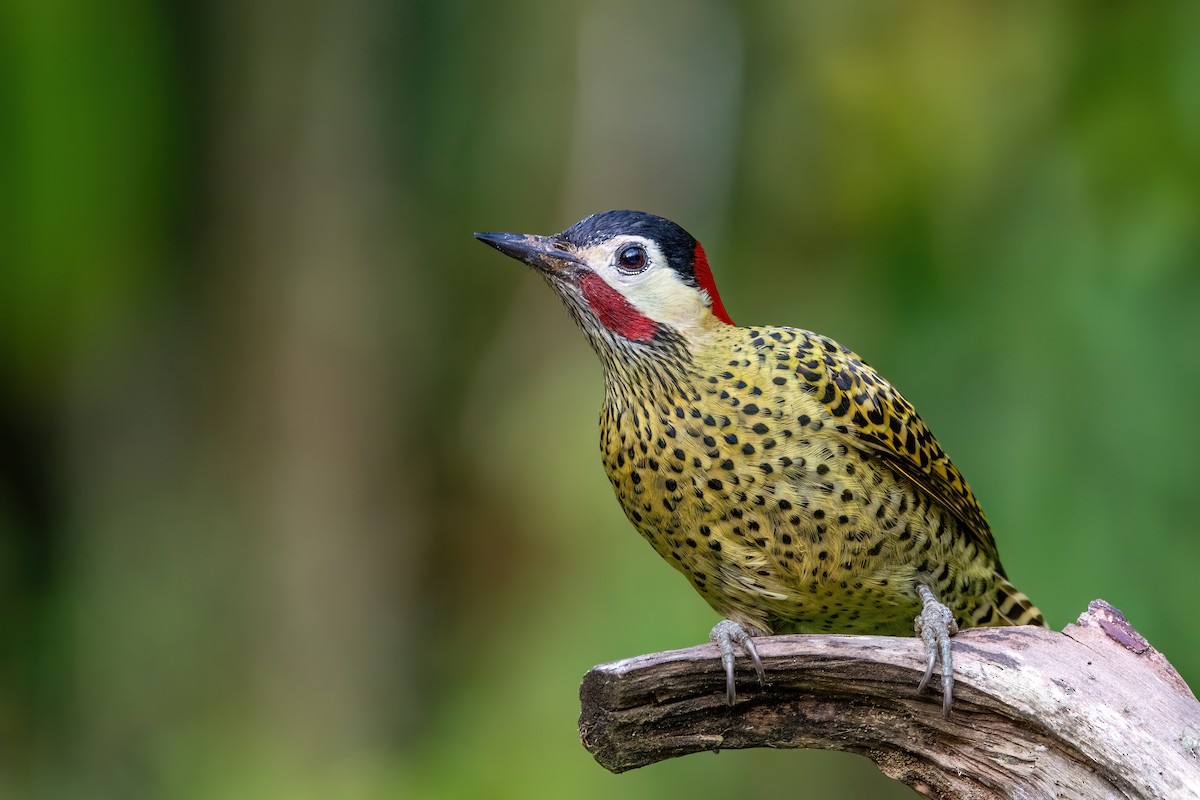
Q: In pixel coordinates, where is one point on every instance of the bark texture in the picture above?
(1091, 712)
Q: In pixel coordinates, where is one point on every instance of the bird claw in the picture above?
(935, 625)
(725, 634)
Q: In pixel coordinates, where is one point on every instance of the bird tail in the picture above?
(1014, 608)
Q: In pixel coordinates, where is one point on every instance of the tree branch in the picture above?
(1091, 712)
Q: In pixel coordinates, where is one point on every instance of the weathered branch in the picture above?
(1091, 712)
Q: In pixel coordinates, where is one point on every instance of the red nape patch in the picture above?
(614, 311)
(705, 279)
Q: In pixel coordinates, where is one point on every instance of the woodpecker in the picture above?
(790, 483)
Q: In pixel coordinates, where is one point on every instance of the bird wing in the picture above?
(879, 420)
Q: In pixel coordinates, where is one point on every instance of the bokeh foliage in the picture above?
(299, 489)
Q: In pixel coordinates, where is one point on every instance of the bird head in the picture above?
(626, 276)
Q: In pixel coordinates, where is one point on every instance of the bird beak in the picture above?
(546, 253)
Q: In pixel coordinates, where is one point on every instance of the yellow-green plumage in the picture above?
(796, 489)
(791, 484)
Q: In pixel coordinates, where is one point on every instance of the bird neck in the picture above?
(664, 369)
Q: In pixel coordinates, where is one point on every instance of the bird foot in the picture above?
(725, 634)
(935, 625)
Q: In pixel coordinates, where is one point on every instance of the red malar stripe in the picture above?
(614, 311)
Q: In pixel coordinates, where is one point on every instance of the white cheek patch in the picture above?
(658, 292)
(661, 294)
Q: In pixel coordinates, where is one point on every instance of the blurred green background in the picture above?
(299, 485)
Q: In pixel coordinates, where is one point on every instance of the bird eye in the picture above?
(632, 258)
